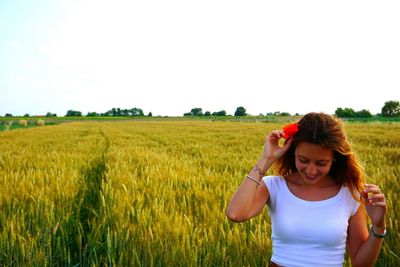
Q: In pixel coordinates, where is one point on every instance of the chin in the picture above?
(312, 180)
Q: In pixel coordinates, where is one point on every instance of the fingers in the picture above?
(276, 135)
(372, 187)
(273, 138)
(372, 195)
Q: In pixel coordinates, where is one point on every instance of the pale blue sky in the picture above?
(169, 56)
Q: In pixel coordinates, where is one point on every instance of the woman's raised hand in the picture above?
(272, 150)
(375, 204)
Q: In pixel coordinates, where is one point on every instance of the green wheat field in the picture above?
(153, 193)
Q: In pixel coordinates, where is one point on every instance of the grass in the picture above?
(152, 193)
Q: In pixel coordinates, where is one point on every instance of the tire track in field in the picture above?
(84, 232)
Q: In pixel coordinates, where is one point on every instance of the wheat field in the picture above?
(153, 193)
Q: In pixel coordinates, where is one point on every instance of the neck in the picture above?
(325, 182)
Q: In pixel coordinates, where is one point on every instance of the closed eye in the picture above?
(319, 163)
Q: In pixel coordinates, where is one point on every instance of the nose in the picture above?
(311, 170)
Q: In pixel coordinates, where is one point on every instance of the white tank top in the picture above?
(308, 233)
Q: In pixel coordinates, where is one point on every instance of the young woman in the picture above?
(318, 203)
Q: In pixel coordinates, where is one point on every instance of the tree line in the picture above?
(391, 108)
(240, 111)
(114, 112)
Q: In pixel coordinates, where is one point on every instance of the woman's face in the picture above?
(313, 162)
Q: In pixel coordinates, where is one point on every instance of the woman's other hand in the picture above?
(375, 204)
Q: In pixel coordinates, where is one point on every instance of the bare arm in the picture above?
(249, 199)
(363, 246)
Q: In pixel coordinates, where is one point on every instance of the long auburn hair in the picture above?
(327, 131)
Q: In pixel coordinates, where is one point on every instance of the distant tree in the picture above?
(350, 112)
(124, 112)
(219, 113)
(345, 113)
(240, 111)
(118, 112)
(364, 113)
(136, 112)
(49, 114)
(391, 109)
(92, 114)
(278, 113)
(8, 115)
(26, 115)
(73, 113)
(207, 113)
(187, 114)
(197, 112)
(150, 114)
(339, 113)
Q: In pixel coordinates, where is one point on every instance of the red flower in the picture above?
(290, 130)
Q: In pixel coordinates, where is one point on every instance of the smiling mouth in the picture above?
(311, 177)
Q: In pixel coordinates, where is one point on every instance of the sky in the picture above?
(169, 56)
